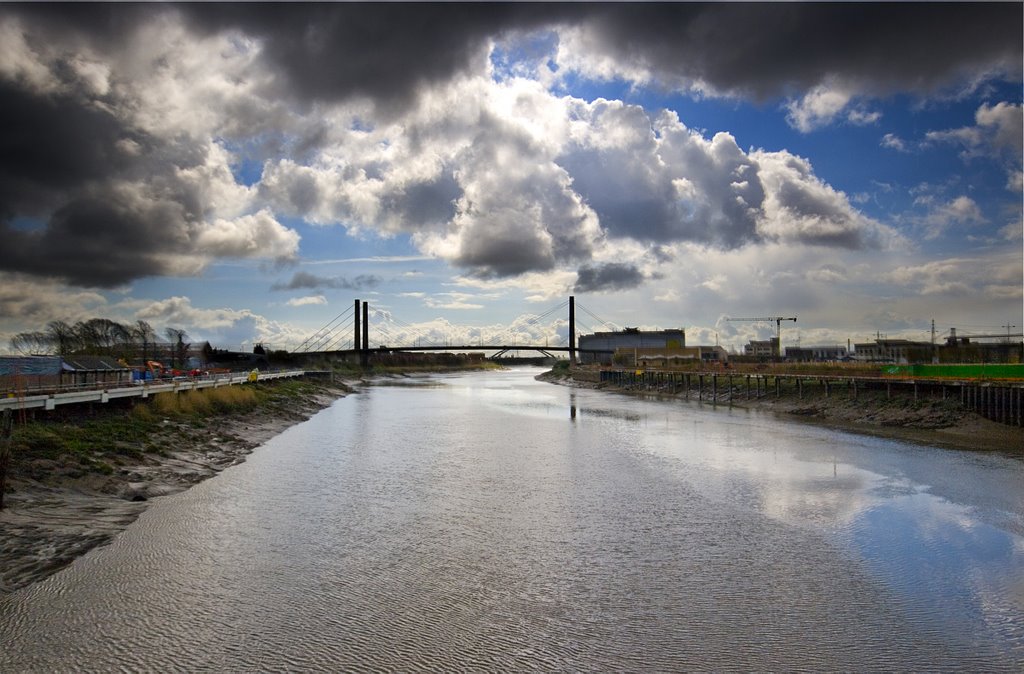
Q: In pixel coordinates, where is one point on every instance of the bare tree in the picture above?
(101, 336)
(179, 348)
(62, 336)
(32, 343)
(145, 335)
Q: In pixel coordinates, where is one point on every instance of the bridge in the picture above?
(348, 334)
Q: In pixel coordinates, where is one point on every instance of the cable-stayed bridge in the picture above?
(350, 331)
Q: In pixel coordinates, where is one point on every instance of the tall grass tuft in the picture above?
(231, 398)
(165, 404)
(197, 402)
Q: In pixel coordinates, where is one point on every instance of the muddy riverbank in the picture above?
(930, 421)
(60, 505)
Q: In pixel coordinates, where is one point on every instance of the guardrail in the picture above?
(141, 390)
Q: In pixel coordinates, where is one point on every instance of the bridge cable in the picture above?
(325, 331)
(595, 316)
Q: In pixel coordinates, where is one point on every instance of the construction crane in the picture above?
(778, 328)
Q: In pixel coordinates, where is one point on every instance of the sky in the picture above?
(246, 171)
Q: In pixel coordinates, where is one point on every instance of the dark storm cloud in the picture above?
(305, 281)
(50, 144)
(425, 202)
(610, 276)
(108, 204)
(61, 164)
(97, 240)
(771, 49)
(385, 52)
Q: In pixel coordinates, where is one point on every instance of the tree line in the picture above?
(103, 337)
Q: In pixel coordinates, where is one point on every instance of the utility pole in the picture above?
(935, 353)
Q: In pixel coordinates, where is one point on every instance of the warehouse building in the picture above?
(629, 338)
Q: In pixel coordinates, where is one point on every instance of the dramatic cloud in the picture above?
(385, 54)
(157, 140)
(125, 146)
(747, 49)
(999, 130)
(800, 207)
(31, 303)
(611, 276)
(305, 281)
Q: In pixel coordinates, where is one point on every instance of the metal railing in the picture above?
(104, 392)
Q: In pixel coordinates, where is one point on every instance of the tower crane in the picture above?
(778, 328)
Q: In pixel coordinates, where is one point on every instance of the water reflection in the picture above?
(471, 525)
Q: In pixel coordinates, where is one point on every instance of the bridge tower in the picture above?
(365, 354)
(572, 330)
(355, 341)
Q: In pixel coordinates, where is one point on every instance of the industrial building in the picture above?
(761, 348)
(669, 357)
(956, 349)
(816, 354)
(629, 338)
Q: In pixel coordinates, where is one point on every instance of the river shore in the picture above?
(55, 512)
(943, 423)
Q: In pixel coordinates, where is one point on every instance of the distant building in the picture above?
(902, 351)
(669, 357)
(762, 348)
(630, 338)
(816, 354)
(49, 372)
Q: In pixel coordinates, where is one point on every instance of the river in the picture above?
(488, 521)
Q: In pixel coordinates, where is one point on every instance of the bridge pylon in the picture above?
(364, 355)
(356, 344)
(572, 330)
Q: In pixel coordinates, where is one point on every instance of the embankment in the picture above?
(77, 480)
(895, 414)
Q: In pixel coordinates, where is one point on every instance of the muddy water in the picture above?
(488, 521)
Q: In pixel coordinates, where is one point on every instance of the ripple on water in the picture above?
(408, 529)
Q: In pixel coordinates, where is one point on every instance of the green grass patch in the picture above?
(118, 435)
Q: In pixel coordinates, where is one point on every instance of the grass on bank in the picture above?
(115, 436)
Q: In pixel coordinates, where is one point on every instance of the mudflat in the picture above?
(54, 515)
